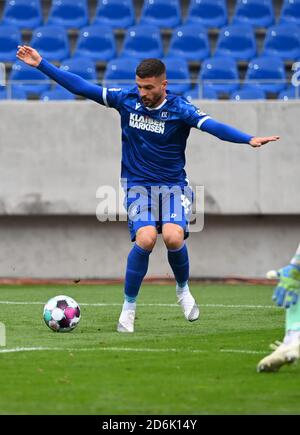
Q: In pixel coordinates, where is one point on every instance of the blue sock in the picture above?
(179, 262)
(137, 266)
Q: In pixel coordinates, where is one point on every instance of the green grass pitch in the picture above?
(168, 366)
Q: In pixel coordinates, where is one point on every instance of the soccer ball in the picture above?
(61, 313)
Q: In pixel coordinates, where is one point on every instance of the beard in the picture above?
(152, 102)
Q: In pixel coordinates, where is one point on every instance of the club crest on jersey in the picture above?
(142, 122)
(164, 115)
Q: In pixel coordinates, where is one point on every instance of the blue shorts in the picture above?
(157, 205)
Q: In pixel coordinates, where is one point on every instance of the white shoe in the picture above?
(188, 304)
(283, 354)
(126, 321)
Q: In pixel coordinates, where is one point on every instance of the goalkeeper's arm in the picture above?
(287, 291)
(72, 82)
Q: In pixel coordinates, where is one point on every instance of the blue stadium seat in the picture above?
(266, 73)
(219, 74)
(12, 94)
(115, 13)
(178, 75)
(69, 13)
(290, 12)
(198, 93)
(248, 93)
(190, 42)
(290, 93)
(96, 42)
(120, 72)
(142, 41)
(237, 41)
(208, 13)
(283, 40)
(10, 38)
(161, 13)
(51, 42)
(23, 13)
(57, 93)
(31, 80)
(257, 13)
(81, 66)
(3, 93)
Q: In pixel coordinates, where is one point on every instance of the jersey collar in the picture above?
(158, 107)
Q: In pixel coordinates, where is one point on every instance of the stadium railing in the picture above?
(197, 87)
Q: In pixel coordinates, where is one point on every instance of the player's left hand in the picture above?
(256, 142)
(287, 291)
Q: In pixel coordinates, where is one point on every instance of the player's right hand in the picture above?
(29, 55)
(286, 293)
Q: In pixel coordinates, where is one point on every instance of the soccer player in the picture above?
(155, 127)
(286, 294)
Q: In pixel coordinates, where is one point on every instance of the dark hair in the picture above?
(150, 68)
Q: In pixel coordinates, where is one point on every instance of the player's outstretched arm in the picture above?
(231, 134)
(72, 82)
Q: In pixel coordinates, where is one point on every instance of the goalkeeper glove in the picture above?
(287, 291)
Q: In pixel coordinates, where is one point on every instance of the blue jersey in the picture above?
(153, 140)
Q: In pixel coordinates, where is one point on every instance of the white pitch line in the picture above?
(125, 349)
(145, 305)
(25, 349)
(20, 303)
(250, 352)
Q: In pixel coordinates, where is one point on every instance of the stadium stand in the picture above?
(115, 13)
(237, 41)
(290, 12)
(10, 38)
(30, 80)
(69, 13)
(248, 93)
(208, 13)
(96, 42)
(56, 94)
(52, 42)
(12, 94)
(190, 42)
(267, 73)
(220, 74)
(290, 93)
(142, 41)
(81, 66)
(237, 29)
(120, 72)
(257, 13)
(178, 75)
(161, 13)
(23, 13)
(283, 40)
(199, 93)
